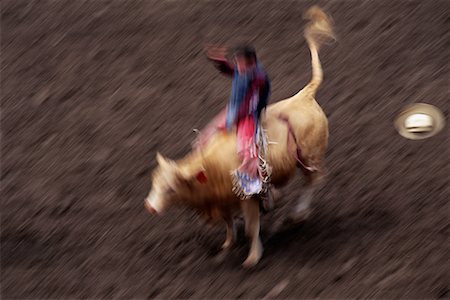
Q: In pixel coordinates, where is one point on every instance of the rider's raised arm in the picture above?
(218, 56)
(223, 65)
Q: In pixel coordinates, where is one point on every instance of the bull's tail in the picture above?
(318, 31)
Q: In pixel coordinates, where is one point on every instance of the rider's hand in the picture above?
(215, 52)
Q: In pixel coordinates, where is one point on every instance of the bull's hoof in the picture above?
(227, 245)
(250, 262)
(254, 257)
(220, 257)
(299, 217)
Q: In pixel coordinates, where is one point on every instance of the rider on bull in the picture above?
(249, 97)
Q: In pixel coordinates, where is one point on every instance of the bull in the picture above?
(298, 130)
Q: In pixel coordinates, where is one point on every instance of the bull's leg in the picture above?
(250, 208)
(230, 234)
(220, 257)
(302, 209)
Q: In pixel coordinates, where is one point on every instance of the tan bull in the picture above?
(202, 179)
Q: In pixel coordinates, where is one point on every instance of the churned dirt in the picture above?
(92, 89)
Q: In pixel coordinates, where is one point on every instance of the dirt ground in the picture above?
(92, 89)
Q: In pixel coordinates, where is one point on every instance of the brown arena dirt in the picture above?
(91, 90)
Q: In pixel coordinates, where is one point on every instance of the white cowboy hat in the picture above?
(419, 121)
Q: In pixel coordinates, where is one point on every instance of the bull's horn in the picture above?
(160, 159)
(164, 162)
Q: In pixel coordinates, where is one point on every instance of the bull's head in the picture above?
(169, 183)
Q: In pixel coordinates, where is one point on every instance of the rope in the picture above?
(298, 153)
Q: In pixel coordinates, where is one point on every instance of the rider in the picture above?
(249, 97)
